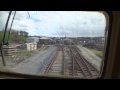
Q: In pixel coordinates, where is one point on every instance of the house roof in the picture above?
(32, 38)
(44, 38)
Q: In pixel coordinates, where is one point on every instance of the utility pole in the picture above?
(10, 28)
(2, 42)
(2, 54)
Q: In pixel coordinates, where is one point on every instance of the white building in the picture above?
(30, 46)
(31, 43)
(32, 40)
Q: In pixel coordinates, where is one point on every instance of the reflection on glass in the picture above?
(59, 43)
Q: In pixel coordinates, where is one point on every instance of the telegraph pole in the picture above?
(2, 54)
(2, 42)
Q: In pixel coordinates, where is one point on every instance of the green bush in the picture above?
(12, 37)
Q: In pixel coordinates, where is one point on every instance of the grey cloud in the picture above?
(78, 22)
(23, 26)
(61, 32)
(3, 18)
(97, 20)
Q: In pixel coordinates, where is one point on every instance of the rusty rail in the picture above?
(51, 63)
(64, 63)
(86, 61)
(78, 65)
(59, 48)
(74, 59)
(83, 63)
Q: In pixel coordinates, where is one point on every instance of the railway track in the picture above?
(69, 62)
(81, 66)
(56, 67)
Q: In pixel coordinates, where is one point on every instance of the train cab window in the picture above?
(63, 44)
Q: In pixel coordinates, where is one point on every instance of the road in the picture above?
(35, 65)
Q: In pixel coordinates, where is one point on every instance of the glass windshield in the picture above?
(54, 43)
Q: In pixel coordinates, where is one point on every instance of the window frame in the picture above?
(104, 63)
(109, 19)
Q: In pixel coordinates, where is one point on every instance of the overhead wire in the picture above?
(3, 39)
(6, 27)
(11, 27)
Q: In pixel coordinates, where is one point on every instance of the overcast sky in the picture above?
(57, 23)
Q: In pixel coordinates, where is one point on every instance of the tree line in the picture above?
(15, 35)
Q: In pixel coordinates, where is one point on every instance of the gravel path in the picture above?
(36, 64)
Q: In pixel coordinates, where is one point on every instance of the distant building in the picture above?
(32, 40)
(103, 40)
(44, 40)
(67, 41)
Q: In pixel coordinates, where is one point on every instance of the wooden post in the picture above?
(2, 54)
